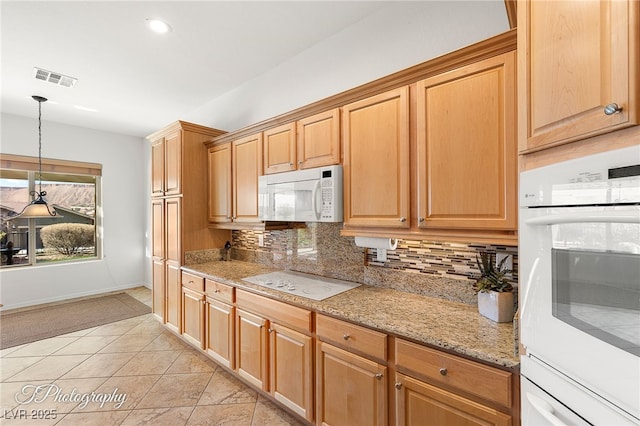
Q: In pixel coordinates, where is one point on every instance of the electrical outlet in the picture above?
(260, 240)
(508, 264)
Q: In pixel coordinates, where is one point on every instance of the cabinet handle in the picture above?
(398, 385)
(299, 162)
(612, 108)
(216, 291)
(378, 376)
(403, 219)
(291, 164)
(346, 336)
(269, 330)
(421, 219)
(443, 371)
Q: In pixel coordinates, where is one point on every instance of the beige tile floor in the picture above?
(131, 372)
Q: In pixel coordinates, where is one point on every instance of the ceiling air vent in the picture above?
(54, 77)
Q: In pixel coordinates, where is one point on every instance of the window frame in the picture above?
(32, 166)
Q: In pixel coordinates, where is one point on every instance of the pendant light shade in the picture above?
(38, 208)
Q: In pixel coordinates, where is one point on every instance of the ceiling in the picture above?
(133, 81)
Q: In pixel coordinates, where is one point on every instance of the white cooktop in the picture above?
(300, 284)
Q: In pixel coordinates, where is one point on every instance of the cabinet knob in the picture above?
(299, 162)
(291, 164)
(398, 385)
(269, 330)
(612, 108)
(378, 376)
(421, 219)
(346, 336)
(443, 371)
(403, 219)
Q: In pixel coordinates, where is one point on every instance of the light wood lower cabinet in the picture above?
(348, 374)
(291, 369)
(350, 390)
(173, 301)
(220, 331)
(419, 403)
(193, 316)
(274, 350)
(220, 322)
(434, 387)
(351, 385)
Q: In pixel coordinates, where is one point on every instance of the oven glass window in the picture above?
(596, 281)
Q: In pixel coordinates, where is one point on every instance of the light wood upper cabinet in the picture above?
(233, 180)
(166, 163)
(157, 167)
(247, 166)
(319, 140)
(280, 149)
(375, 136)
(575, 58)
(467, 149)
(220, 183)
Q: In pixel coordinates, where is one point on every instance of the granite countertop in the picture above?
(454, 326)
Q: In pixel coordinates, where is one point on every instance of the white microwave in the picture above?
(311, 195)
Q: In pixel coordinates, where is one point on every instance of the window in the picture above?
(73, 190)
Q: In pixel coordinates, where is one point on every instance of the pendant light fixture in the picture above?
(38, 208)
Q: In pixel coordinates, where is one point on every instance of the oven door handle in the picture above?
(590, 217)
(545, 409)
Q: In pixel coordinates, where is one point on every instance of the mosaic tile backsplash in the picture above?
(436, 269)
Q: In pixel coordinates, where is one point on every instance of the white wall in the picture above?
(125, 195)
(395, 38)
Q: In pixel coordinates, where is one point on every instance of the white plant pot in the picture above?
(496, 306)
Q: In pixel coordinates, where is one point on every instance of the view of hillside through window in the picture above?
(70, 235)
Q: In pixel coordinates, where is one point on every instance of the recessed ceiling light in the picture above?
(158, 26)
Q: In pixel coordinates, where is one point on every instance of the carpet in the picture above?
(18, 328)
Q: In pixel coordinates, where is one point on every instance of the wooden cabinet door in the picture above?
(576, 58)
(173, 163)
(319, 140)
(157, 167)
(247, 166)
(350, 390)
(220, 332)
(173, 297)
(193, 316)
(220, 184)
(158, 228)
(158, 288)
(291, 369)
(173, 224)
(419, 403)
(375, 135)
(467, 148)
(251, 348)
(280, 149)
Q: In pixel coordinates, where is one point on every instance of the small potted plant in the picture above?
(495, 292)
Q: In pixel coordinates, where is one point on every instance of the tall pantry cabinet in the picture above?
(179, 210)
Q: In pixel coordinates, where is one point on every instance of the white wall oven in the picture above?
(580, 296)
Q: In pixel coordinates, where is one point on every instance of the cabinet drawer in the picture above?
(351, 336)
(296, 318)
(438, 367)
(219, 291)
(193, 282)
